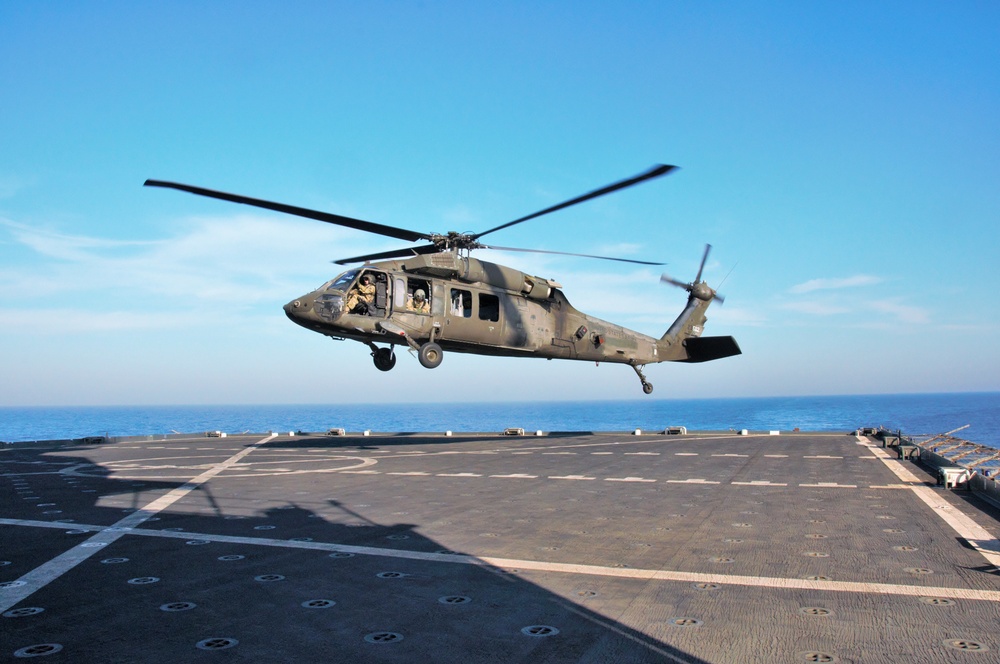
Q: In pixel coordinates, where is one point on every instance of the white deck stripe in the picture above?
(542, 566)
(48, 572)
(978, 537)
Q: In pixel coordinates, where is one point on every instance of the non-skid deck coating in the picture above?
(425, 548)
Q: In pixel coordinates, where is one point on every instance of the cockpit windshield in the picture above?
(342, 282)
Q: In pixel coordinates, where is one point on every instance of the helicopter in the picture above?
(435, 297)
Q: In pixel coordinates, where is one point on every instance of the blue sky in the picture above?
(842, 156)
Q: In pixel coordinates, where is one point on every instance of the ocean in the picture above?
(914, 414)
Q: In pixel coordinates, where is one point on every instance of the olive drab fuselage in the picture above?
(487, 309)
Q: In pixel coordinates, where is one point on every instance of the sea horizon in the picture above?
(914, 413)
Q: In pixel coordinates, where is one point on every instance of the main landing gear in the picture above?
(647, 387)
(430, 355)
(384, 358)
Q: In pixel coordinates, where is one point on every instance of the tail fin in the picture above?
(683, 341)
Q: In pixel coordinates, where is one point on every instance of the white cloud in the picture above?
(237, 261)
(61, 246)
(815, 308)
(79, 321)
(902, 312)
(834, 284)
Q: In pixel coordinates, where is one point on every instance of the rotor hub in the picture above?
(702, 291)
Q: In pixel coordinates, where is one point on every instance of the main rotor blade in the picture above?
(565, 253)
(654, 172)
(395, 253)
(339, 220)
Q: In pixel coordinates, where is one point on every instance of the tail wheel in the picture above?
(647, 388)
(384, 359)
(430, 355)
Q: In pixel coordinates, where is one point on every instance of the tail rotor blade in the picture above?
(704, 258)
(665, 278)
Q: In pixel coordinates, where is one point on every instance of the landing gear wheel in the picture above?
(430, 355)
(647, 387)
(384, 359)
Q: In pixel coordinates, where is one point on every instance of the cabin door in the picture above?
(472, 317)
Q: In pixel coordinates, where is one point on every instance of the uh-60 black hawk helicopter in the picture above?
(434, 297)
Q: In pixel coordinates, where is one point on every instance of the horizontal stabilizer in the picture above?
(705, 349)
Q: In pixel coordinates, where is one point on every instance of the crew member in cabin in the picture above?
(418, 303)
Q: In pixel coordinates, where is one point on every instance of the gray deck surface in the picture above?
(425, 548)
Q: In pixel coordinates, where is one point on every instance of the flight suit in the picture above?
(361, 293)
(418, 307)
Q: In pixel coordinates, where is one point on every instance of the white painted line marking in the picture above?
(412, 473)
(831, 485)
(822, 456)
(759, 483)
(755, 581)
(566, 568)
(519, 476)
(691, 481)
(978, 537)
(776, 456)
(642, 454)
(602, 453)
(48, 572)
(626, 479)
(685, 454)
(570, 477)
(458, 475)
(731, 455)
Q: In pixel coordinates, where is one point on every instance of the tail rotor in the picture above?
(696, 288)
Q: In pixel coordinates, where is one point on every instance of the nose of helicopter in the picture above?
(297, 309)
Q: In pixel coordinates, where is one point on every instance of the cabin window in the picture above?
(399, 294)
(418, 296)
(489, 307)
(461, 303)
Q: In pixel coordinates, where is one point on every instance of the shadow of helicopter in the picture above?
(269, 578)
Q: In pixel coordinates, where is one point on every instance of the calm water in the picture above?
(913, 413)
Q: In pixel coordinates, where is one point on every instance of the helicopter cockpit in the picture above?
(367, 295)
(342, 282)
